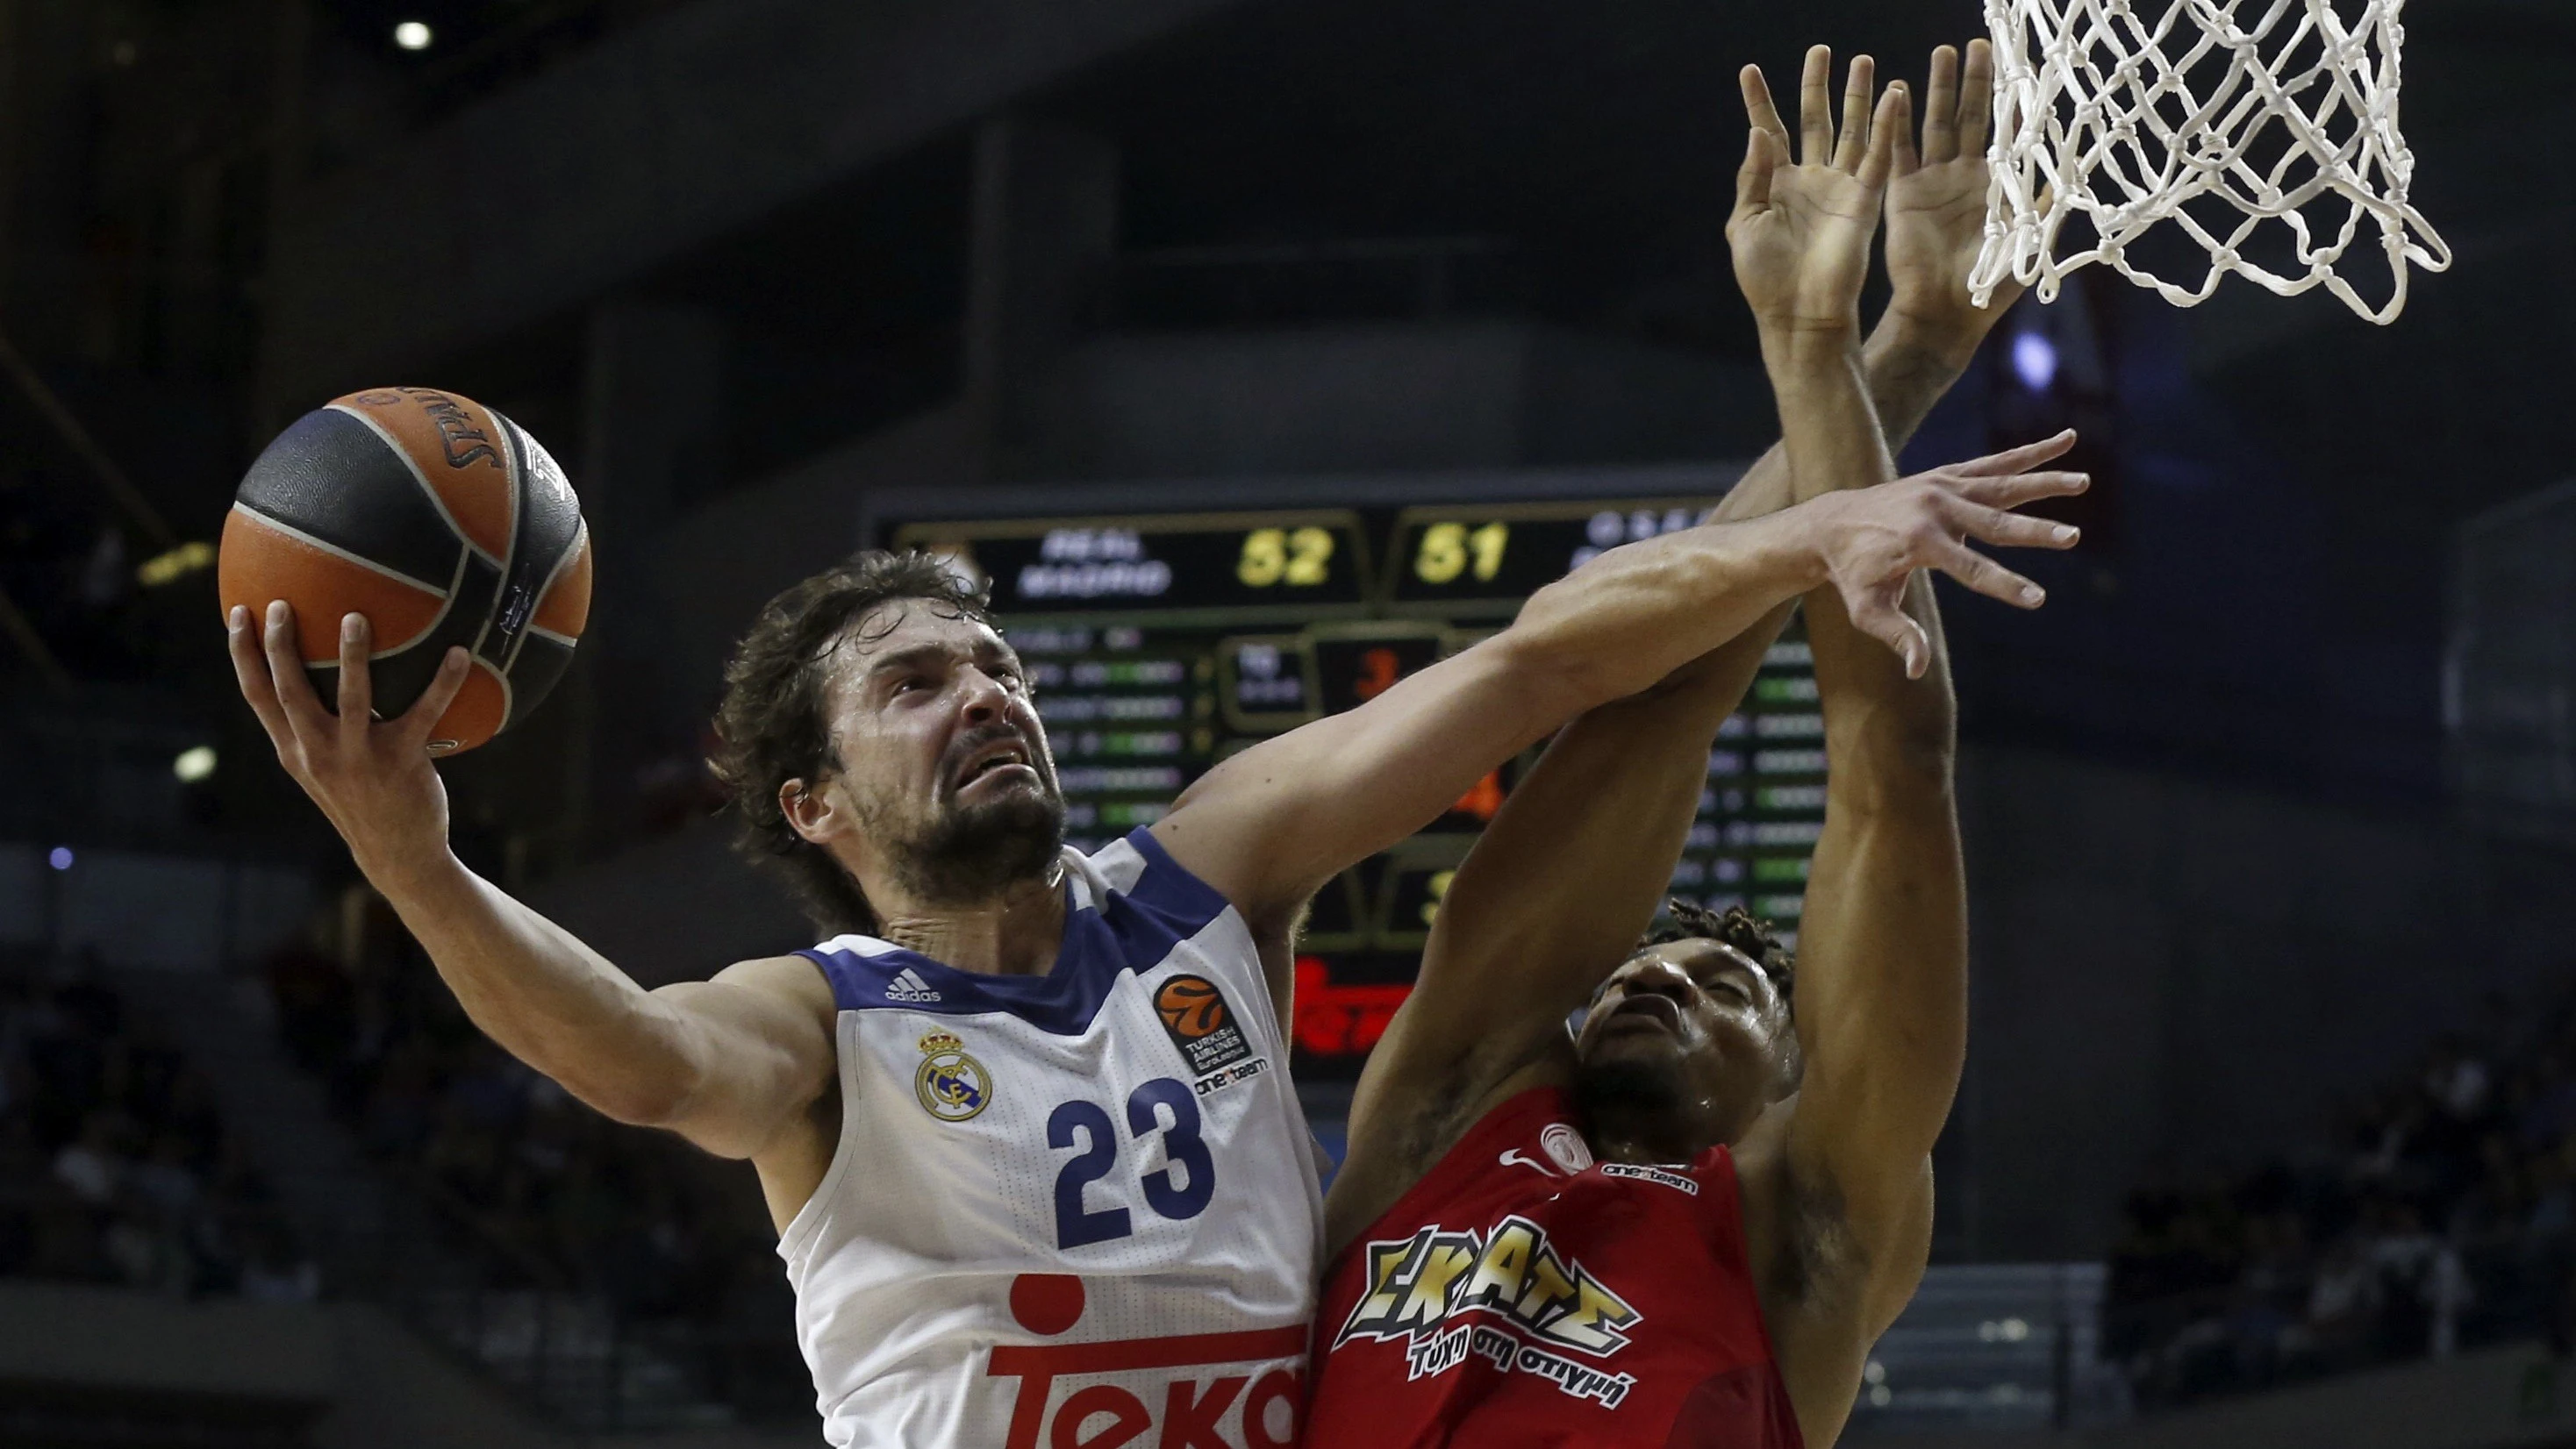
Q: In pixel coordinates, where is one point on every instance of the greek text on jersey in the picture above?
(1420, 1287)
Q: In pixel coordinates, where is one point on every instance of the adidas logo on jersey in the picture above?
(907, 985)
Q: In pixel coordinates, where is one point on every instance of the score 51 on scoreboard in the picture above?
(1158, 644)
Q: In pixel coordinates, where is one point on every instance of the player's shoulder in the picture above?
(1131, 911)
(790, 978)
(1139, 871)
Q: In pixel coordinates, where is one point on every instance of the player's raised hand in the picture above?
(1936, 207)
(1801, 229)
(1873, 539)
(372, 778)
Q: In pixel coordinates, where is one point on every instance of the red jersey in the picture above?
(1522, 1294)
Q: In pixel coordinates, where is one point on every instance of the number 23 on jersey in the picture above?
(1179, 1189)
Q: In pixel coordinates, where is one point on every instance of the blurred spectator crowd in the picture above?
(535, 1190)
(2441, 1216)
(114, 1165)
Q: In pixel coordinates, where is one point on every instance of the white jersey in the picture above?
(1072, 1208)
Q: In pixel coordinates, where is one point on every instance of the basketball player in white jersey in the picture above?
(1023, 1120)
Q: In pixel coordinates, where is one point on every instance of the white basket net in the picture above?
(2218, 116)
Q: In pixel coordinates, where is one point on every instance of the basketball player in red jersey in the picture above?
(1688, 1224)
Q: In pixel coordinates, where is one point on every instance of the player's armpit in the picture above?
(1831, 1283)
(757, 1043)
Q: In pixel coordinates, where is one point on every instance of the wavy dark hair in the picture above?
(1735, 926)
(772, 726)
(1746, 932)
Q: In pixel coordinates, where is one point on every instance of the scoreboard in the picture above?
(1160, 642)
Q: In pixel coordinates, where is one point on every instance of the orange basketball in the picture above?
(440, 520)
(1190, 1006)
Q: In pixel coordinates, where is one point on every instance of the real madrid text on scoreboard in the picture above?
(1160, 643)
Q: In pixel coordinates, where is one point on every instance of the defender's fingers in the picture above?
(1989, 577)
(1760, 109)
(304, 712)
(1860, 83)
(2017, 460)
(1941, 107)
(357, 686)
(1904, 160)
(2019, 489)
(1892, 120)
(1816, 107)
(1977, 98)
(250, 671)
(421, 719)
(1753, 179)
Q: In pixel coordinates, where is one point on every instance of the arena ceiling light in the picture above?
(412, 35)
(2034, 360)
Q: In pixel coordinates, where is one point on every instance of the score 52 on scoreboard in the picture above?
(1160, 643)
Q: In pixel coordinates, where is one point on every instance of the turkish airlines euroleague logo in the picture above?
(1195, 1016)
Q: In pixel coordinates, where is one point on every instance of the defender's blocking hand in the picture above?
(1800, 232)
(1936, 208)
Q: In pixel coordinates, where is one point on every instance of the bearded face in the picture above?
(943, 763)
(996, 817)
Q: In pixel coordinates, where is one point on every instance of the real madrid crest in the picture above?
(952, 1085)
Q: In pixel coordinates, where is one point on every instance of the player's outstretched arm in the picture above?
(1843, 1177)
(1881, 1012)
(1271, 824)
(1838, 1181)
(731, 1063)
(1914, 355)
(1558, 888)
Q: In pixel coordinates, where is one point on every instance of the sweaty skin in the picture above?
(1834, 1163)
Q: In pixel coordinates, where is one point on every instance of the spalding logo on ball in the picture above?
(440, 520)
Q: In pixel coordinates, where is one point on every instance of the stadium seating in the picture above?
(2441, 1215)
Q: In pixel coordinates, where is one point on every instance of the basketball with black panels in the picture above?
(440, 520)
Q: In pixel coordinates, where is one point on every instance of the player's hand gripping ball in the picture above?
(440, 520)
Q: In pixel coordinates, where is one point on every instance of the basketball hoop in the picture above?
(2216, 125)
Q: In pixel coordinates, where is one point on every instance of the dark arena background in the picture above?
(1259, 353)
